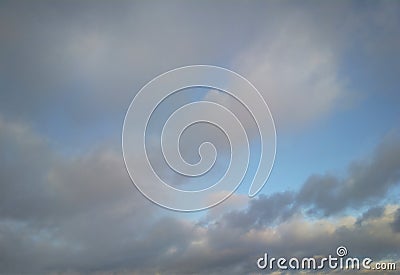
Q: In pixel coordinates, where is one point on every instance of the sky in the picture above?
(69, 71)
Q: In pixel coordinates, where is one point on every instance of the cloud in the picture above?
(84, 68)
(366, 181)
(223, 249)
(25, 157)
(372, 213)
(295, 68)
(266, 210)
(83, 215)
(55, 209)
(307, 63)
(34, 175)
(92, 63)
(396, 222)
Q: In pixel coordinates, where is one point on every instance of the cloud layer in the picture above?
(83, 215)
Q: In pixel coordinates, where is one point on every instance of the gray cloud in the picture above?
(373, 212)
(79, 65)
(396, 222)
(222, 249)
(366, 180)
(83, 215)
(34, 176)
(25, 159)
(91, 60)
(54, 210)
(327, 195)
(266, 210)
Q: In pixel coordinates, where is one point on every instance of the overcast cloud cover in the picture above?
(69, 70)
